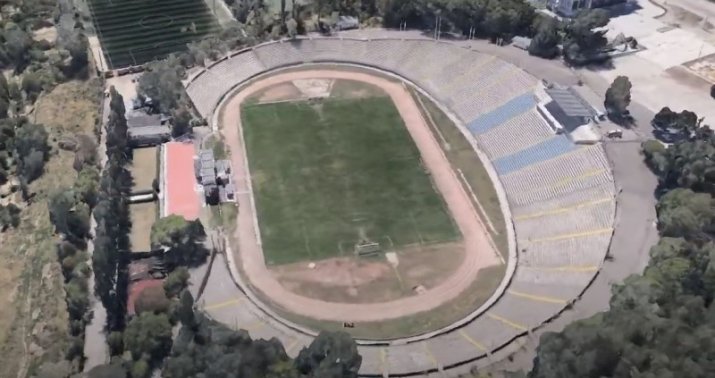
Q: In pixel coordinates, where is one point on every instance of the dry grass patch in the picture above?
(142, 216)
(476, 294)
(33, 316)
(372, 279)
(461, 155)
(144, 167)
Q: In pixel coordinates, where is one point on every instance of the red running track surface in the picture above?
(182, 199)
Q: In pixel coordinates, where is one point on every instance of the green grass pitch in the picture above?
(137, 31)
(326, 174)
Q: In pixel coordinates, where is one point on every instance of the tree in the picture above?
(77, 299)
(67, 215)
(688, 163)
(618, 96)
(582, 43)
(674, 126)
(148, 335)
(117, 142)
(31, 148)
(181, 121)
(115, 369)
(4, 107)
(140, 369)
(544, 44)
(162, 83)
(211, 349)
(682, 212)
(116, 343)
(183, 239)
(60, 369)
(152, 299)
(78, 47)
(283, 14)
(9, 216)
(16, 46)
(176, 281)
(292, 28)
(660, 323)
(32, 85)
(87, 185)
(330, 355)
(4, 89)
(185, 311)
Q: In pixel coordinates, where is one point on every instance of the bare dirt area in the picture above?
(48, 34)
(476, 294)
(478, 253)
(279, 92)
(372, 279)
(355, 89)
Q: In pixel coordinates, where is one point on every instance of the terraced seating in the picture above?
(567, 186)
(491, 332)
(206, 95)
(581, 169)
(566, 278)
(578, 253)
(388, 54)
(514, 135)
(548, 149)
(277, 54)
(238, 68)
(567, 201)
(501, 114)
(594, 217)
(527, 310)
(511, 85)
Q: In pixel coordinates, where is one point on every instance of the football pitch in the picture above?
(329, 174)
(137, 31)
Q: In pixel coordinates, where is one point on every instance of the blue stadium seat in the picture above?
(496, 117)
(545, 150)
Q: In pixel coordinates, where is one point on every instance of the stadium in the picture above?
(529, 237)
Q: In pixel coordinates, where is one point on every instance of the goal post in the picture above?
(367, 248)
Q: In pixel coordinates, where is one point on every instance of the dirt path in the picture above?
(479, 254)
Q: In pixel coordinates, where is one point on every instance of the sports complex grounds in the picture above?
(134, 32)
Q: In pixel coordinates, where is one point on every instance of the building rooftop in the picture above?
(141, 119)
(570, 102)
(208, 164)
(206, 155)
(208, 180)
(223, 166)
(160, 130)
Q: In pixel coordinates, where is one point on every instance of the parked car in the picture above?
(615, 134)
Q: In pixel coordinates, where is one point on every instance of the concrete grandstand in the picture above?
(559, 196)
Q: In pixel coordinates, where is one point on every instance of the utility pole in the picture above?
(437, 26)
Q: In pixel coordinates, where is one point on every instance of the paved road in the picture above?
(96, 351)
